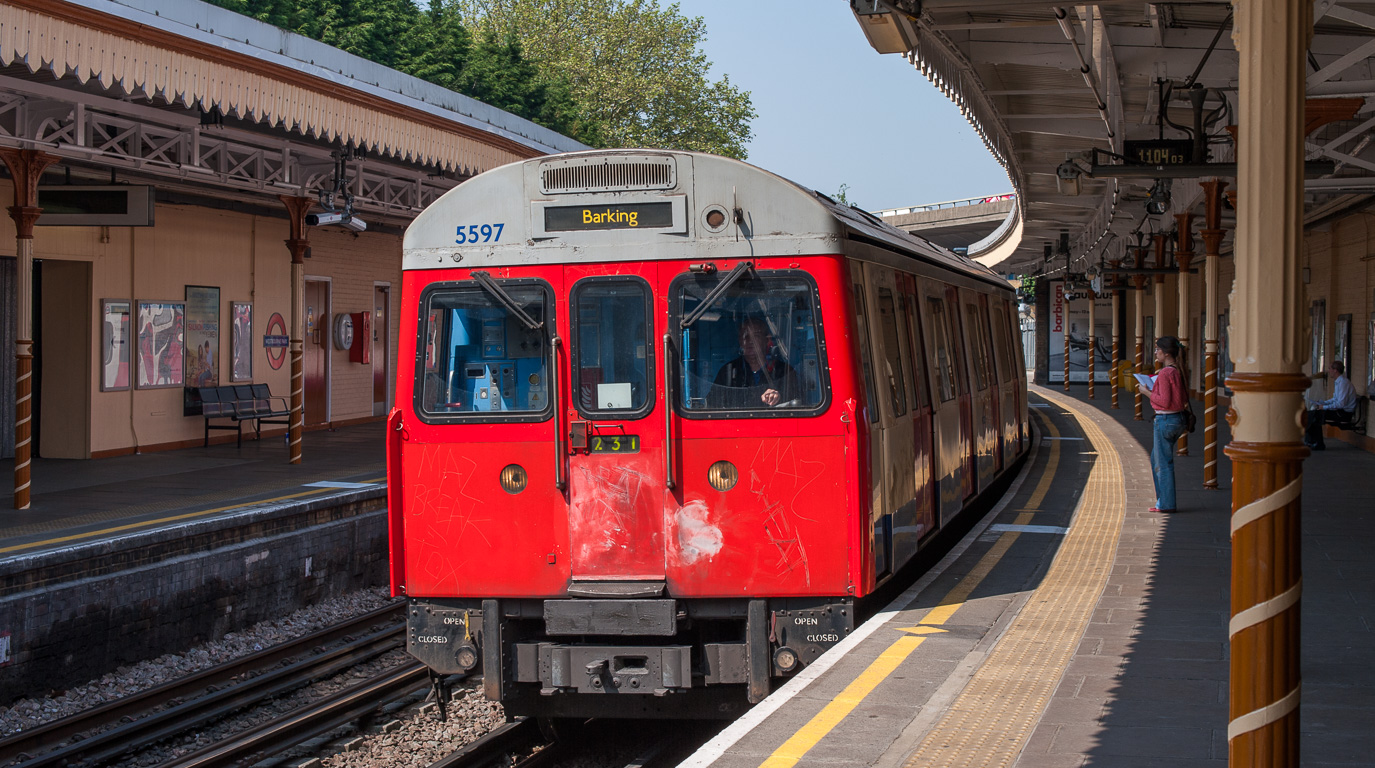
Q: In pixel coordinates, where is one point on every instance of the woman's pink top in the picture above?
(1169, 394)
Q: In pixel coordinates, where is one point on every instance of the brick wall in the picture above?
(73, 614)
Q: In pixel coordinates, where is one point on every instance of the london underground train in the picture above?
(664, 417)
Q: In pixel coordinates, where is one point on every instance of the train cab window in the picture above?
(945, 360)
(894, 370)
(756, 350)
(480, 362)
(977, 343)
(612, 347)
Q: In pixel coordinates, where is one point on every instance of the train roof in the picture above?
(528, 212)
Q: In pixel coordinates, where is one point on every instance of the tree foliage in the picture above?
(635, 68)
(435, 45)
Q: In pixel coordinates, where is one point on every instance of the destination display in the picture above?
(570, 218)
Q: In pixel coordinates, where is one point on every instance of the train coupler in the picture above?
(441, 695)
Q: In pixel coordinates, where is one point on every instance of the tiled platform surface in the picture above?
(1148, 682)
(78, 498)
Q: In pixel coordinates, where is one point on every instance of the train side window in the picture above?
(888, 324)
(978, 348)
(945, 360)
(865, 356)
(1001, 338)
(481, 363)
(756, 351)
(910, 366)
(612, 352)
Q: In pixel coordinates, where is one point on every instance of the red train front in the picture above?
(633, 475)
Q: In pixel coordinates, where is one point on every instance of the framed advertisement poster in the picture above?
(241, 341)
(161, 344)
(114, 344)
(202, 336)
(1341, 350)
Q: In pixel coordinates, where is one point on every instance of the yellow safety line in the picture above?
(835, 711)
(159, 521)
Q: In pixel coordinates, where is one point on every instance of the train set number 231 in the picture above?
(614, 444)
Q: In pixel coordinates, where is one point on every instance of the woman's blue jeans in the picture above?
(1168, 428)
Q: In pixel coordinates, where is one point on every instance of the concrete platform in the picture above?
(1074, 628)
(83, 500)
(124, 559)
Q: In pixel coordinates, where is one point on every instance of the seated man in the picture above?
(1341, 408)
(758, 378)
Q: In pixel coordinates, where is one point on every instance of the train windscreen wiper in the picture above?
(731, 278)
(504, 299)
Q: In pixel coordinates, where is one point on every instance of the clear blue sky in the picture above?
(832, 111)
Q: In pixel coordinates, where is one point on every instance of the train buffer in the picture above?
(1073, 627)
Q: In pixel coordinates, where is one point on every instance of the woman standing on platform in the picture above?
(1170, 400)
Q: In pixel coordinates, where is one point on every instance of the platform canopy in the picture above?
(203, 100)
(1047, 85)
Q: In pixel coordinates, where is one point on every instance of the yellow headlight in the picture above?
(723, 475)
(513, 478)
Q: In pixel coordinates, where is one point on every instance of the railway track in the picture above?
(143, 719)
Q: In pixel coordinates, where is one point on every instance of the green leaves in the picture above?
(635, 68)
(610, 73)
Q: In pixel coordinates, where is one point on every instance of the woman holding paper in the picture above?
(1170, 399)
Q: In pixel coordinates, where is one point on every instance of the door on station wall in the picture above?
(381, 349)
(316, 352)
(63, 404)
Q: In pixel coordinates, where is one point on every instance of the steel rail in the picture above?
(56, 731)
(217, 705)
(308, 722)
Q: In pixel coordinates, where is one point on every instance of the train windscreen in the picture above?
(481, 362)
(755, 351)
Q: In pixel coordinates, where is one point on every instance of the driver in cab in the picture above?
(758, 378)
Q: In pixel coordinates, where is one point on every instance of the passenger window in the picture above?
(911, 311)
(945, 363)
(918, 389)
(862, 324)
(755, 350)
(978, 350)
(893, 373)
(612, 349)
(1002, 340)
(481, 361)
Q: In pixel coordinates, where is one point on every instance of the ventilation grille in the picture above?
(622, 175)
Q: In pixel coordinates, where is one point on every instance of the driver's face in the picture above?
(754, 341)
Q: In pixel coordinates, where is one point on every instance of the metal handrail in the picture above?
(556, 388)
(668, 411)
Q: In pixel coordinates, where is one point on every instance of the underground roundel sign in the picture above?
(275, 340)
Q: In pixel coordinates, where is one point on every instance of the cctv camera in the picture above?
(354, 223)
(341, 218)
(323, 219)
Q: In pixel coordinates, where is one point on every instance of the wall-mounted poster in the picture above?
(161, 343)
(241, 341)
(114, 344)
(1073, 315)
(202, 336)
(1342, 349)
